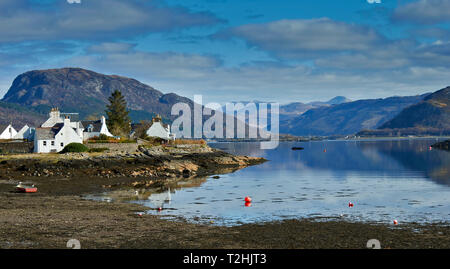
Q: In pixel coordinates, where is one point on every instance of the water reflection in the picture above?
(378, 157)
(385, 180)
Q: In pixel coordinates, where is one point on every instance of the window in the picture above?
(62, 144)
(45, 143)
(53, 143)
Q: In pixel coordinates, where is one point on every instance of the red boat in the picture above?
(25, 189)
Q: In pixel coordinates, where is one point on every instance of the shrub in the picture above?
(75, 147)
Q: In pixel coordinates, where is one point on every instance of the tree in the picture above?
(119, 122)
(141, 129)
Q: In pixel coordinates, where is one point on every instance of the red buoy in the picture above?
(324, 150)
(248, 204)
(395, 222)
(140, 214)
(248, 199)
(159, 209)
(350, 204)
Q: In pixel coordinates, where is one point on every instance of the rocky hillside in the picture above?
(87, 92)
(432, 112)
(347, 118)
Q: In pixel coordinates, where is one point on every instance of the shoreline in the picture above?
(58, 212)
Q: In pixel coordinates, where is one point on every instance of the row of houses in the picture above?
(62, 129)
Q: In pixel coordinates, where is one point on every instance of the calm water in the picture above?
(385, 180)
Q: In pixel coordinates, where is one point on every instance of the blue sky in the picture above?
(230, 50)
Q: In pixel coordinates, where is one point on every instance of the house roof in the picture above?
(134, 126)
(4, 126)
(97, 125)
(46, 133)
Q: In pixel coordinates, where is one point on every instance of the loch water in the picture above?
(400, 179)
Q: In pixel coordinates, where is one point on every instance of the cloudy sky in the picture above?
(237, 50)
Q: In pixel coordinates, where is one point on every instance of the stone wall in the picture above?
(16, 147)
(115, 147)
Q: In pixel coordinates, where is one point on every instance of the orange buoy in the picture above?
(248, 204)
(248, 199)
(325, 150)
(395, 222)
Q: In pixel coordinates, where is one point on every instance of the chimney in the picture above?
(54, 113)
(67, 120)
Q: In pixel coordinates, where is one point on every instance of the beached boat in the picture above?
(26, 189)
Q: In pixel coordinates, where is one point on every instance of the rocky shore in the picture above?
(147, 167)
(58, 212)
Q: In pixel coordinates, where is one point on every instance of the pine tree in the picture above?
(118, 121)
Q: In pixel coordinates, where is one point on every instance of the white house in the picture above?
(55, 138)
(25, 133)
(7, 132)
(95, 128)
(56, 117)
(159, 129)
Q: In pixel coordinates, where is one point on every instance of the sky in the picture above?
(237, 50)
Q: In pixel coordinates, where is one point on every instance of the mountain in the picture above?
(87, 92)
(334, 101)
(298, 108)
(432, 112)
(347, 118)
(34, 93)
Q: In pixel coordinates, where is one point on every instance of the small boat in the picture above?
(297, 148)
(25, 189)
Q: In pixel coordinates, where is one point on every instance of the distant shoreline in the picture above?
(331, 138)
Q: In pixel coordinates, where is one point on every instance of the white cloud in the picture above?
(94, 20)
(189, 74)
(305, 38)
(424, 12)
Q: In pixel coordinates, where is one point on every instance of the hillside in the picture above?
(87, 92)
(19, 116)
(432, 112)
(347, 118)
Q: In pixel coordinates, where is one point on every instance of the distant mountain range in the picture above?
(33, 93)
(347, 118)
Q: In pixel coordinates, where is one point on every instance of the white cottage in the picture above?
(7, 132)
(56, 117)
(25, 133)
(55, 138)
(95, 128)
(159, 129)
